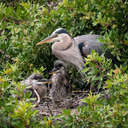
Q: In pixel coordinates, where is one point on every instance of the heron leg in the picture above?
(38, 97)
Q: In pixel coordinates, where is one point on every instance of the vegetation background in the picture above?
(23, 23)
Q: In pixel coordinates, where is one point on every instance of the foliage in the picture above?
(15, 108)
(24, 23)
(104, 110)
(20, 30)
(96, 69)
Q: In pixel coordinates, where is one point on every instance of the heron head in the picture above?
(57, 66)
(54, 36)
(60, 31)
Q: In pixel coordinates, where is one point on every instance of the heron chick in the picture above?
(37, 84)
(72, 50)
(60, 85)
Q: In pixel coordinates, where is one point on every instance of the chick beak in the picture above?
(47, 82)
(53, 71)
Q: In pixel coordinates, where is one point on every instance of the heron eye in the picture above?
(58, 68)
(56, 35)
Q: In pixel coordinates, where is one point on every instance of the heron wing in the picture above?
(87, 43)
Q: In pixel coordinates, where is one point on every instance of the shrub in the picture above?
(23, 24)
(104, 110)
(96, 70)
(26, 23)
(15, 107)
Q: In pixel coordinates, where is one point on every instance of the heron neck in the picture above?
(69, 53)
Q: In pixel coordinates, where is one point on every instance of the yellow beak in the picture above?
(51, 73)
(47, 82)
(47, 40)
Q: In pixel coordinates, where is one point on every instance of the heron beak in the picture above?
(47, 40)
(51, 73)
(47, 82)
(50, 82)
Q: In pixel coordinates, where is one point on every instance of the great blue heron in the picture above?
(71, 49)
(60, 85)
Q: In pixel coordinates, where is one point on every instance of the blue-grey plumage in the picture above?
(89, 43)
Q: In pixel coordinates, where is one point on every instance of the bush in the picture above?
(20, 31)
(104, 110)
(24, 23)
(96, 70)
(15, 108)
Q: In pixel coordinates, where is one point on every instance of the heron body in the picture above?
(87, 43)
(72, 50)
(60, 83)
